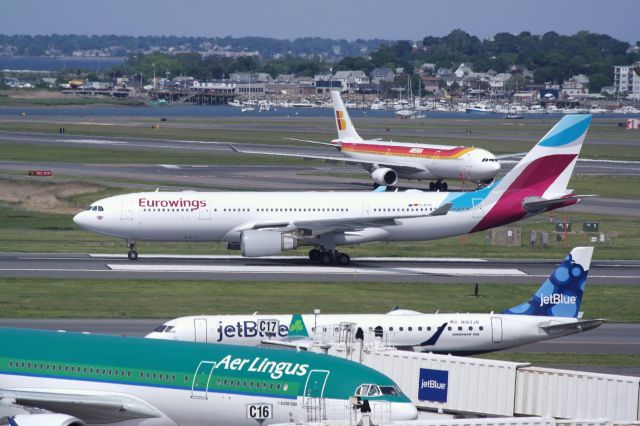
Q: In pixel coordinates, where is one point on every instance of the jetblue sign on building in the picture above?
(433, 385)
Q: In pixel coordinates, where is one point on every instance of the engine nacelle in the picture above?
(384, 176)
(52, 419)
(265, 243)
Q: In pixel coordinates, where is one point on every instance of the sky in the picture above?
(348, 19)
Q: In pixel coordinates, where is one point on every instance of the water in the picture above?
(57, 63)
(208, 111)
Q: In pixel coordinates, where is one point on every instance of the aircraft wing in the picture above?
(92, 408)
(403, 168)
(323, 226)
(572, 327)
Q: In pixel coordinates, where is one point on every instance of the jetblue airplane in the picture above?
(387, 161)
(70, 379)
(551, 312)
(267, 223)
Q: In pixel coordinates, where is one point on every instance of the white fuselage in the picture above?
(460, 333)
(220, 216)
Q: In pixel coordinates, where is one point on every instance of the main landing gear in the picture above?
(438, 186)
(329, 257)
(133, 254)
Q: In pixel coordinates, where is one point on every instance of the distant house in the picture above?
(577, 86)
(430, 83)
(626, 79)
(381, 74)
(463, 70)
(351, 79)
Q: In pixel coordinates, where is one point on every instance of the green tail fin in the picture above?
(297, 327)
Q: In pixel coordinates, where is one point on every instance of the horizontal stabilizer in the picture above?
(291, 344)
(538, 204)
(509, 156)
(572, 327)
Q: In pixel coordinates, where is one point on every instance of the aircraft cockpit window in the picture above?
(389, 390)
(100, 209)
(362, 390)
(160, 328)
(89, 207)
(374, 391)
(169, 329)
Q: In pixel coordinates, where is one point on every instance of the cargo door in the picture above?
(127, 210)
(201, 380)
(496, 329)
(200, 329)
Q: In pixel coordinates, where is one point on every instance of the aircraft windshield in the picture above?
(160, 328)
(390, 390)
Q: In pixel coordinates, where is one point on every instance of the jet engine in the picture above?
(51, 419)
(265, 243)
(385, 176)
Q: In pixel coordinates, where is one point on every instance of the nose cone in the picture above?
(403, 411)
(156, 335)
(80, 219)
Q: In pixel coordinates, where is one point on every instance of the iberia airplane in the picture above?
(266, 223)
(551, 312)
(387, 161)
(71, 379)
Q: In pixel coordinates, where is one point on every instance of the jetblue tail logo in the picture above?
(560, 295)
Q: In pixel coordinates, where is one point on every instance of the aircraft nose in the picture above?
(403, 411)
(80, 219)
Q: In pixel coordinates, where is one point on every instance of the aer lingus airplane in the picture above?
(69, 379)
(551, 312)
(387, 161)
(267, 223)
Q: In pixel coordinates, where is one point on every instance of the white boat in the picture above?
(302, 104)
(405, 113)
(479, 109)
(597, 110)
(235, 103)
(247, 109)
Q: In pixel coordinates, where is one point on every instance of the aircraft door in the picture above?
(496, 330)
(127, 210)
(314, 388)
(478, 208)
(365, 209)
(200, 329)
(204, 212)
(201, 380)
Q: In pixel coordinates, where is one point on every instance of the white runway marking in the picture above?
(229, 257)
(277, 269)
(92, 141)
(169, 166)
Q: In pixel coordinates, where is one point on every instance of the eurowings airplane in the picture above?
(71, 379)
(551, 312)
(387, 161)
(267, 223)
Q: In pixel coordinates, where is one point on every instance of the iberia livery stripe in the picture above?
(405, 151)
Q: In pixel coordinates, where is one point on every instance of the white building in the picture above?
(626, 79)
(350, 79)
(576, 87)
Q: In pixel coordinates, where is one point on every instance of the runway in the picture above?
(292, 268)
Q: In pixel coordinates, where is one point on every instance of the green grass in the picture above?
(270, 131)
(96, 298)
(567, 359)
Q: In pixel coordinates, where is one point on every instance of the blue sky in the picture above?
(350, 19)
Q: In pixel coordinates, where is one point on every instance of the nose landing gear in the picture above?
(133, 254)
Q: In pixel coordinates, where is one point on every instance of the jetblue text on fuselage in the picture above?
(558, 299)
(246, 329)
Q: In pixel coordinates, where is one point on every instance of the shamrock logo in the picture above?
(297, 326)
